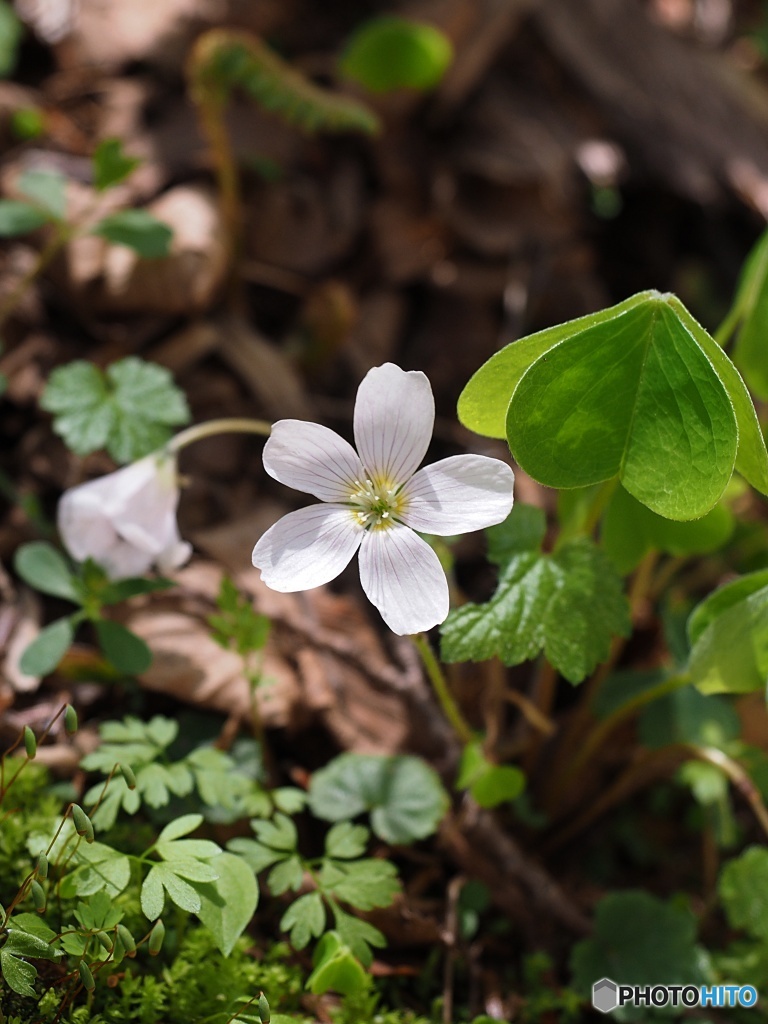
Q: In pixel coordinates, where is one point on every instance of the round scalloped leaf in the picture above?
(639, 938)
(403, 795)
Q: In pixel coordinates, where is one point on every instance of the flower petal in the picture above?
(307, 548)
(394, 416)
(312, 458)
(457, 495)
(126, 520)
(403, 578)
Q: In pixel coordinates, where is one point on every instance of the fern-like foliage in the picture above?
(224, 60)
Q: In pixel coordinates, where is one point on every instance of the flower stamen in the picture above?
(375, 502)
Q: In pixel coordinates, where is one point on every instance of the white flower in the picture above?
(376, 500)
(126, 520)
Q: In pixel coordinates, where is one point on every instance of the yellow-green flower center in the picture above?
(375, 503)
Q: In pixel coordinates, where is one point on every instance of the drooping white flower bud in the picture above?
(126, 520)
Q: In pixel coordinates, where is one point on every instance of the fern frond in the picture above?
(225, 60)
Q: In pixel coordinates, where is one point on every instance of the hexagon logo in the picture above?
(605, 995)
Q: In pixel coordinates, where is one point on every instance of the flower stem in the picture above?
(440, 685)
(57, 241)
(602, 730)
(234, 425)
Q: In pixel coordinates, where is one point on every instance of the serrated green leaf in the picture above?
(346, 841)
(729, 637)
(156, 782)
(288, 874)
(138, 230)
(127, 652)
(18, 974)
(163, 731)
(403, 794)
(304, 919)
(743, 889)
(599, 397)
(359, 935)
(47, 649)
(47, 190)
(642, 939)
(25, 937)
(389, 53)
(363, 884)
(147, 386)
(522, 530)
(45, 569)
(568, 604)
(256, 856)
(78, 396)
(178, 888)
(99, 912)
(117, 797)
(128, 410)
(111, 165)
(228, 904)
(280, 833)
(17, 218)
(100, 867)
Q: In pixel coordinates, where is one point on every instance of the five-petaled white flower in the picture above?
(126, 520)
(375, 500)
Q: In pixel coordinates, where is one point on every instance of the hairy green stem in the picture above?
(440, 685)
(234, 425)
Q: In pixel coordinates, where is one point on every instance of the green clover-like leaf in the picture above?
(128, 410)
(403, 794)
(728, 632)
(600, 397)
